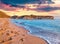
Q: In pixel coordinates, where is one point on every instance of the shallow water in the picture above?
(46, 29)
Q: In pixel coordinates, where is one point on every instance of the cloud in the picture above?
(15, 5)
(41, 9)
(14, 2)
(8, 7)
(47, 9)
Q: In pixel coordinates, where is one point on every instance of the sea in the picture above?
(46, 29)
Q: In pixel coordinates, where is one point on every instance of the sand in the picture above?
(12, 34)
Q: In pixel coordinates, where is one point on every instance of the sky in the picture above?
(28, 7)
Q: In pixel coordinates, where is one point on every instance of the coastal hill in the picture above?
(3, 15)
(31, 17)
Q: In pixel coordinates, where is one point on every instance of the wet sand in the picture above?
(12, 34)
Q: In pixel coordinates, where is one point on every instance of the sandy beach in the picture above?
(12, 34)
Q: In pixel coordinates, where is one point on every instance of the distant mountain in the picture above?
(3, 15)
(30, 17)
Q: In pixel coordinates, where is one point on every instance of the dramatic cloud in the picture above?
(8, 7)
(14, 2)
(13, 5)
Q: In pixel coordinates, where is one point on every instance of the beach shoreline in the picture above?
(17, 34)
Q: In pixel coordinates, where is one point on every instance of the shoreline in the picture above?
(28, 32)
(19, 34)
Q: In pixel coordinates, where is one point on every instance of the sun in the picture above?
(56, 1)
